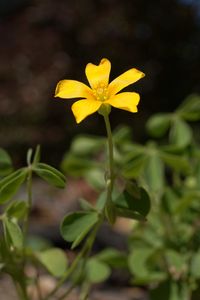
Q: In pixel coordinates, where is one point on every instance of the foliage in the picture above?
(15, 252)
(78, 228)
(164, 249)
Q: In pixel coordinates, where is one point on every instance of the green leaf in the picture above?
(167, 290)
(101, 200)
(51, 169)
(169, 200)
(158, 124)
(37, 243)
(195, 265)
(10, 184)
(138, 198)
(17, 209)
(132, 150)
(153, 277)
(134, 167)
(180, 133)
(77, 166)
(29, 156)
(137, 261)
(132, 188)
(85, 205)
(97, 271)
(176, 260)
(190, 108)
(113, 258)
(176, 162)
(197, 173)
(5, 163)
(86, 145)
(14, 232)
(172, 149)
(129, 214)
(36, 158)
(154, 173)
(184, 204)
(54, 260)
(9, 177)
(76, 225)
(96, 178)
(5, 245)
(149, 233)
(121, 134)
(50, 174)
(133, 203)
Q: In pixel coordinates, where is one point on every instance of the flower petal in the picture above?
(98, 74)
(126, 101)
(72, 89)
(124, 80)
(83, 108)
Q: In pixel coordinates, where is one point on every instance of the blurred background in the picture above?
(45, 41)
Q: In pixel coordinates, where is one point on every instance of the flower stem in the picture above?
(108, 211)
(110, 147)
(109, 207)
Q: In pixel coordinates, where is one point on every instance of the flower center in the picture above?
(100, 92)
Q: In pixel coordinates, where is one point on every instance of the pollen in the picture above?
(100, 91)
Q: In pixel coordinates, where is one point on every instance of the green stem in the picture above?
(69, 290)
(68, 273)
(24, 292)
(16, 276)
(85, 250)
(109, 211)
(37, 284)
(30, 198)
(89, 248)
(109, 207)
(176, 179)
(29, 194)
(85, 291)
(21, 290)
(110, 148)
(25, 230)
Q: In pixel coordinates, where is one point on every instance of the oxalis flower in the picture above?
(100, 92)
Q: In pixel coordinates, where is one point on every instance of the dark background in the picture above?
(42, 42)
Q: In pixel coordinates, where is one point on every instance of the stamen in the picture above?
(100, 91)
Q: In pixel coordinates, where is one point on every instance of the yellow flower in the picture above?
(100, 91)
